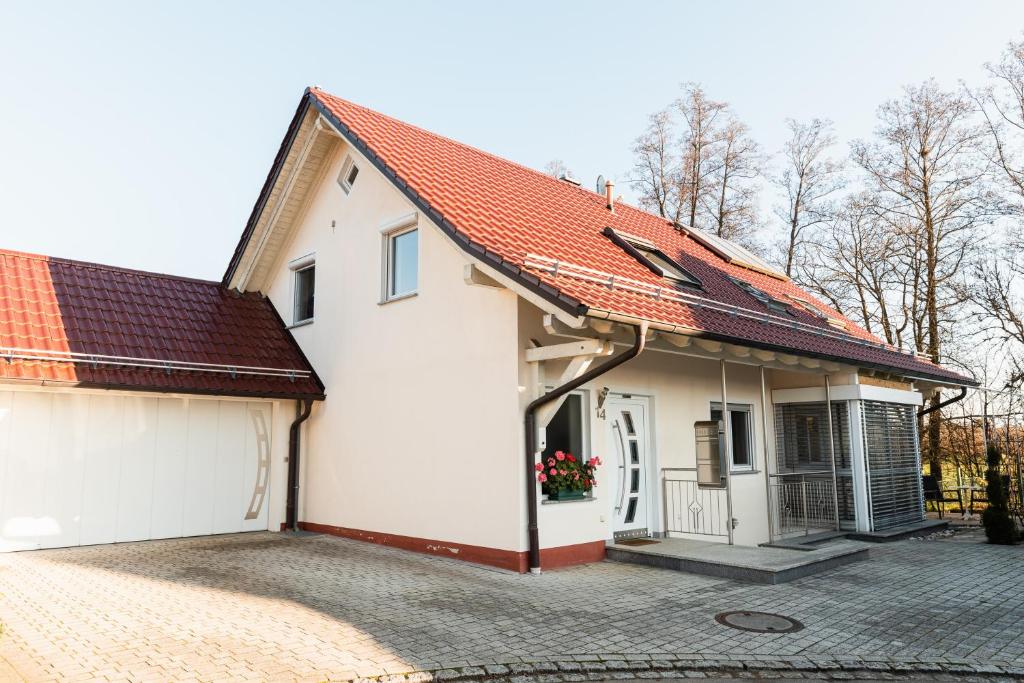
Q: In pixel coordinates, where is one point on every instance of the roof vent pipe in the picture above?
(608, 187)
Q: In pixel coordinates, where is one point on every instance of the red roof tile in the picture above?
(503, 212)
(200, 337)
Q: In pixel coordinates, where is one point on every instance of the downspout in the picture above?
(948, 401)
(530, 420)
(303, 409)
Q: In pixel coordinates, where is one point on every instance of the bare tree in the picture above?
(702, 136)
(656, 167)
(557, 168)
(731, 198)
(808, 179)
(853, 263)
(925, 163)
(1001, 104)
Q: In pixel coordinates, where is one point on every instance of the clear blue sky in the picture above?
(139, 133)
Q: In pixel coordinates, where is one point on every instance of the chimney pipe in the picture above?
(608, 187)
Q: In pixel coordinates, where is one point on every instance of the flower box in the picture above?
(567, 494)
(564, 477)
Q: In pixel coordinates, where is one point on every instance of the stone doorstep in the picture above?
(799, 567)
(571, 669)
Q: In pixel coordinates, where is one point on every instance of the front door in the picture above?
(629, 439)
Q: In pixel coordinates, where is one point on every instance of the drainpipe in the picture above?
(530, 421)
(302, 409)
(831, 450)
(948, 401)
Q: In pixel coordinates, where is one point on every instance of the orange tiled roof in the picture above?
(525, 221)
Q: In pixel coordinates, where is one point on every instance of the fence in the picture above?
(802, 503)
(691, 508)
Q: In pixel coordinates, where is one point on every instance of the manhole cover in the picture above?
(759, 622)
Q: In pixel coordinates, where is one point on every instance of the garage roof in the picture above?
(553, 238)
(69, 322)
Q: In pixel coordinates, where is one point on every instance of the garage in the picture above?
(138, 406)
(81, 468)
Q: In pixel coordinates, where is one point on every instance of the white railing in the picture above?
(689, 507)
(802, 503)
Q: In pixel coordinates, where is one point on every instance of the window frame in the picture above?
(774, 305)
(298, 266)
(389, 233)
(585, 439)
(747, 408)
(346, 171)
(639, 249)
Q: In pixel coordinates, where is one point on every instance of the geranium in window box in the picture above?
(563, 476)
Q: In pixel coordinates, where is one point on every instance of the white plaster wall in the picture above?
(418, 435)
(681, 389)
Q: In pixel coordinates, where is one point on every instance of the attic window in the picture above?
(772, 303)
(652, 258)
(348, 175)
(806, 305)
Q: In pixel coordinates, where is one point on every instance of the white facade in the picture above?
(420, 440)
(80, 467)
(420, 423)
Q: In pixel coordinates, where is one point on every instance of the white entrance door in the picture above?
(629, 439)
(79, 468)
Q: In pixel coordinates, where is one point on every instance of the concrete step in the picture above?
(745, 563)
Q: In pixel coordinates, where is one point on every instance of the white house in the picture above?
(468, 317)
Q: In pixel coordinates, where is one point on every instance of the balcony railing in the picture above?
(802, 503)
(690, 508)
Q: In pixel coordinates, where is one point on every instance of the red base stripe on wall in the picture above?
(517, 561)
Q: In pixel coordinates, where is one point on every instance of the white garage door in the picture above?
(81, 468)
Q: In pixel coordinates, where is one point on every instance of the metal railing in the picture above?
(689, 507)
(802, 503)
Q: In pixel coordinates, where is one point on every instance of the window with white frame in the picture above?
(303, 289)
(401, 263)
(741, 426)
(348, 175)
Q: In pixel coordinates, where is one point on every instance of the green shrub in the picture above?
(1000, 527)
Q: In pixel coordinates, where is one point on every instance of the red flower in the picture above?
(559, 456)
(542, 477)
(553, 472)
(570, 457)
(539, 467)
(562, 472)
(551, 462)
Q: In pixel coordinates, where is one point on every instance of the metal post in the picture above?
(832, 449)
(984, 418)
(803, 494)
(727, 425)
(767, 468)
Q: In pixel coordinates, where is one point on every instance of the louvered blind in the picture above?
(894, 463)
(801, 436)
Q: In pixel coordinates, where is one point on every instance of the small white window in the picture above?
(741, 434)
(303, 289)
(401, 264)
(348, 175)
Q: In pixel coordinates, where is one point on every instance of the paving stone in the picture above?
(266, 607)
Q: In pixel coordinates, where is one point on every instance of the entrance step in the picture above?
(898, 533)
(805, 543)
(746, 563)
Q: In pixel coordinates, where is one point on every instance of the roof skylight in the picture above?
(654, 259)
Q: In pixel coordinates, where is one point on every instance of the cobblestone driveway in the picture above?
(264, 606)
